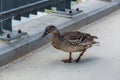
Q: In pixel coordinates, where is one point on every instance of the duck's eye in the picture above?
(48, 29)
(51, 29)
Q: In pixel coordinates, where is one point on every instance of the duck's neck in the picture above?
(56, 36)
(56, 33)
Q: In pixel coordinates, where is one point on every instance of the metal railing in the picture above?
(16, 8)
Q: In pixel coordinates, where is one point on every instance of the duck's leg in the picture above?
(68, 60)
(79, 57)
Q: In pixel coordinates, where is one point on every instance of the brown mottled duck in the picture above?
(70, 41)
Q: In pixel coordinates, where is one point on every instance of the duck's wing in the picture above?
(72, 35)
(78, 38)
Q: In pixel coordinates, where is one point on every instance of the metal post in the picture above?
(53, 5)
(18, 17)
(7, 24)
(33, 12)
(48, 7)
(68, 4)
(25, 14)
(73, 0)
(41, 9)
(1, 28)
(1, 17)
(61, 6)
(0, 6)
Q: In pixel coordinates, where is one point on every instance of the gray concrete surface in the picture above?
(97, 63)
(15, 50)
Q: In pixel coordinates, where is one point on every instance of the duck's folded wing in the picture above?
(78, 38)
(77, 42)
(72, 35)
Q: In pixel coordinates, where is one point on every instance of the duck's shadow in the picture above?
(88, 60)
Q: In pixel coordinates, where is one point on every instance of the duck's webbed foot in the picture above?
(77, 60)
(68, 60)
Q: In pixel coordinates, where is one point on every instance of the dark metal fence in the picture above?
(16, 8)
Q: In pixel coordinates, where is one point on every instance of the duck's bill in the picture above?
(96, 43)
(44, 34)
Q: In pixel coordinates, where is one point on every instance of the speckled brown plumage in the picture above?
(70, 41)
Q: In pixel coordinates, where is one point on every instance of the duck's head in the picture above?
(50, 30)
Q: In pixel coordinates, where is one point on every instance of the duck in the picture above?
(72, 41)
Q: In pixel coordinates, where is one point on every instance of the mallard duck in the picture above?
(70, 41)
